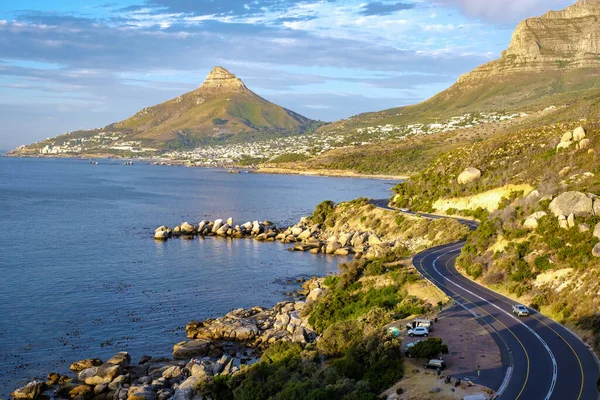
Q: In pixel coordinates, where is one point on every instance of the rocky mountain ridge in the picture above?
(550, 67)
(219, 79)
(558, 40)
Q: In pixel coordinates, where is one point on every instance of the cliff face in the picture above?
(558, 40)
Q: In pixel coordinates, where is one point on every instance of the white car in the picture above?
(418, 331)
(520, 310)
(404, 209)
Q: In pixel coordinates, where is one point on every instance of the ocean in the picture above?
(82, 277)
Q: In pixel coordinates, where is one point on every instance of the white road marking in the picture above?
(554, 364)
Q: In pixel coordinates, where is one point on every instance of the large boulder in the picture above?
(530, 223)
(32, 391)
(218, 223)
(469, 175)
(315, 294)
(174, 371)
(597, 230)
(244, 332)
(566, 137)
(187, 228)
(161, 235)
(143, 392)
(81, 392)
(332, 247)
(563, 145)
(185, 391)
(583, 144)
(201, 370)
(192, 348)
(346, 238)
(596, 250)
(85, 364)
(374, 239)
(122, 358)
(576, 203)
(305, 234)
(562, 222)
(597, 207)
(104, 373)
(571, 221)
(578, 134)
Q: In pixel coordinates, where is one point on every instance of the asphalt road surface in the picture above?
(541, 358)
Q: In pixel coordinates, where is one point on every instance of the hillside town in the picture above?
(325, 140)
(104, 142)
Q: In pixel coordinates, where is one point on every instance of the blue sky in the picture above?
(72, 64)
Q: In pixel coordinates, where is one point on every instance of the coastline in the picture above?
(325, 172)
(266, 170)
(222, 346)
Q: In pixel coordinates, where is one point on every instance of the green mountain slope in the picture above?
(552, 60)
(222, 109)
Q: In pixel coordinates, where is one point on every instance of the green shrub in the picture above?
(399, 219)
(430, 348)
(475, 270)
(323, 211)
(375, 267)
(344, 304)
(290, 157)
(542, 263)
(331, 281)
(217, 388)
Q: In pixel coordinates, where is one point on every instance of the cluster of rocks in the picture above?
(259, 230)
(306, 236)
(220, 346)
(567, 208)
(118, 379)
(254, 328)
(577, 138)
(313, 239)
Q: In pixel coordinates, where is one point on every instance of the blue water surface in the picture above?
(82, 277)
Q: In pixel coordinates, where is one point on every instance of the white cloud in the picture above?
(505, 11)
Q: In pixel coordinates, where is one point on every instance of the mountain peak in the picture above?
(562, 40)
(221, 79)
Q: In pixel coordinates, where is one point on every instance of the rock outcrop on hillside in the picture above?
(219, 79)
(558, 40)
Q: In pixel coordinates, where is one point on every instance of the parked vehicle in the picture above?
(437, 363)
(418, 331)
(409, 347)
(520, 310)
(426, 323)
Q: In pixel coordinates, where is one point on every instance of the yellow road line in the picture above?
(497, 320)
(493, 294)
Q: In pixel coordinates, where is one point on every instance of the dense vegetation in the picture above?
(354, 358)
(527, 156)
(550, 268)
(392, 157)
(430, 348)
(290, 157)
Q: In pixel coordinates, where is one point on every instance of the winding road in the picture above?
(541, 358)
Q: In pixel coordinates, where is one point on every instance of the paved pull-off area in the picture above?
(541, 358)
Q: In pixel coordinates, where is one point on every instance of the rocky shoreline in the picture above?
(304, 236)
(217, 347)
